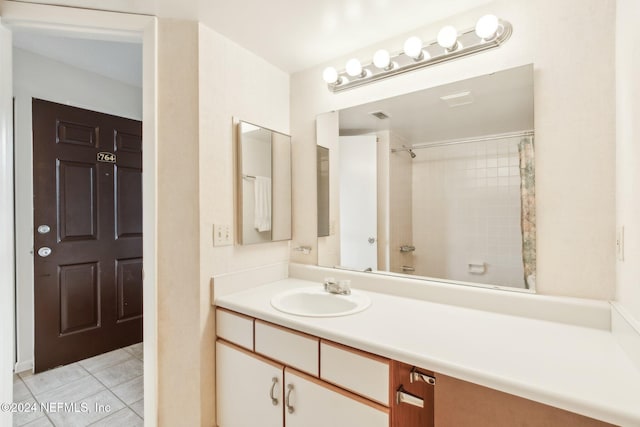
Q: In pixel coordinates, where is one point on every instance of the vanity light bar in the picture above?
(489, 33)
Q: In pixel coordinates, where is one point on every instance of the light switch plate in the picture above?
(222, 235)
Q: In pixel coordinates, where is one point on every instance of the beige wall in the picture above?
(628, 153)
(233, 82)
(571, 46)
(178, 232)
(204, 81)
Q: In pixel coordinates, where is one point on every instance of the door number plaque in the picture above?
(106, 157)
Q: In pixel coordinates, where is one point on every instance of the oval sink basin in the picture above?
(316, 302)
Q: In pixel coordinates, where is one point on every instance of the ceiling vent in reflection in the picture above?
(458, 99)
(381, 115)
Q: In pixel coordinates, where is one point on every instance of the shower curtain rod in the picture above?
(465, 140)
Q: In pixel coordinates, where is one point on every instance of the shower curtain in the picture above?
(528, 210)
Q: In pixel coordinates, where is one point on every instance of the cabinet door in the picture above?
(414, 382)
(310, 402)
(249, 388)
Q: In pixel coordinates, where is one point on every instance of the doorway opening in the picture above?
(100, 27)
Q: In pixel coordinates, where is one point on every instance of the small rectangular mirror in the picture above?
(322, 167)
(264, 185)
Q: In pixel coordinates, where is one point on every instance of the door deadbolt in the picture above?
(371, 240)
(44, 229)
(44, 251)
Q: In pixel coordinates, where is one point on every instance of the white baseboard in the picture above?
(25, 365)
(228, 283)
(626, 329)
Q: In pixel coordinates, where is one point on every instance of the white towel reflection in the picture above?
(262, 201)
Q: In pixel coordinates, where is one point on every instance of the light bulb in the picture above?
(413, 48)
(487, 27)
(354, 68)
(382, 59)
(330, 75)
(448, 37)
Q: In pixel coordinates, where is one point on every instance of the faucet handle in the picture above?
(329, 281)
(344, 287)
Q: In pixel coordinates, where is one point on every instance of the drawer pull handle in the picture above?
(404, 397)
(417, 377)
(274, 400)
(287, 400)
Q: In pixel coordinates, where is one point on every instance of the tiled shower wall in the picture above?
(466, 210)
(401, 212)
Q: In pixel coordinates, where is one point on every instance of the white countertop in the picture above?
(575, 368)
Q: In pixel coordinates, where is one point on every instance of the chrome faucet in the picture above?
(341, 287)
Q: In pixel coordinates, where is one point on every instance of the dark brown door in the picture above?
(87, 172)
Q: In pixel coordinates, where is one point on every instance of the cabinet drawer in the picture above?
(235, 328)
(292, 348)
(359, 372)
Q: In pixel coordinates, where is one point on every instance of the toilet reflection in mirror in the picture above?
(437, 183)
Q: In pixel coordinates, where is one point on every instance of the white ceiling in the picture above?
(502, 102)
(296, 34)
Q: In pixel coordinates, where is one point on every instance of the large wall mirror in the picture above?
(264, 184)
(436, 184)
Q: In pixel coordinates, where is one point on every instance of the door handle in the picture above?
(44, 229)
(44, 251)
(371, 240)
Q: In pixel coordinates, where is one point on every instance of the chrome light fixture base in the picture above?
(468, 43)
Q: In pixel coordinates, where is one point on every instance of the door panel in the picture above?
(77, 201)
(77, 134)
(128, 202)
(129, 287)
(88, 191)
(79, 305)
(128, 142)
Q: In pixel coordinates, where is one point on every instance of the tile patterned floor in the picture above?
(113, 379)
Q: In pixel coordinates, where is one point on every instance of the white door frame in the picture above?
(7, 277)
(99, 25)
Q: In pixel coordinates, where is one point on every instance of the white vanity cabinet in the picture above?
(249, 388)
(252, 391)
(260, 380)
